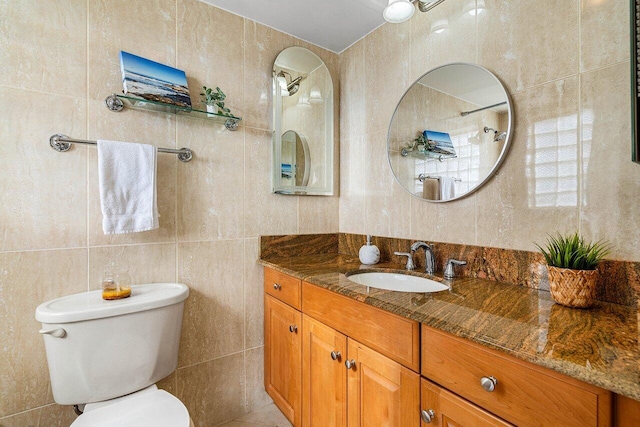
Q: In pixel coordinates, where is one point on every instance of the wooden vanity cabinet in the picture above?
(283, 343)
(380, 391)
(333, 361)
(324, 375)
(283, 357)
(346, 383)
(626, 412)
(445, 409)
(516, 391)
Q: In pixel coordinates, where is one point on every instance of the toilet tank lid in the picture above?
(90, 305)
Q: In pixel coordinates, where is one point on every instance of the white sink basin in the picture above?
(397, 282)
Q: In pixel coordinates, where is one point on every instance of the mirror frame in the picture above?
(635, 80)
(505, 149)
(277, 132)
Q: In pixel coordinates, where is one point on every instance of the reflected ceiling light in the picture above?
(282, 83)
(303, 102)
(315, 97)
(290, 88)
(474, 9)
(398, 11)
(439, 26)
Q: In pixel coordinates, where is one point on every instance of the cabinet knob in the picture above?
(335, 355)
(293, 328)
(428, 415)
(277, 286)
(350, 364)
(488, 383)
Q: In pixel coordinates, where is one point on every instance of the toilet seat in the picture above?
(146, 408)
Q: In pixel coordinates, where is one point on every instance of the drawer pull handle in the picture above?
(350, 364)
(293, 328)
(277, 286)
(488, 383)
(428, 415)
(335, 355)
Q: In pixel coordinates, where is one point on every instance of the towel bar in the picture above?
(422, 177)
(62, 143)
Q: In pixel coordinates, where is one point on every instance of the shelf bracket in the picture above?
(114, 103)
(231, 124)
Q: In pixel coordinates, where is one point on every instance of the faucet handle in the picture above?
(410, 265)
(448, 271)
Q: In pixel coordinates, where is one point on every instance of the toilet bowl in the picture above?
(150, 407)
(106, 356)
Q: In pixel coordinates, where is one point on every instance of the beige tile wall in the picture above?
(566, 65)
(59, 61)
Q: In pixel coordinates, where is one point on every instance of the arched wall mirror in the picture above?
(302, 124)
(450, 132)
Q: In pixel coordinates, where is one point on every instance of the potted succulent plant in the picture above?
(572, 265)
(214, 100)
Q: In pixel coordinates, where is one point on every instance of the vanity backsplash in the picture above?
(619, 281)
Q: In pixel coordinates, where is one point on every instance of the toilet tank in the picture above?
(105, 349)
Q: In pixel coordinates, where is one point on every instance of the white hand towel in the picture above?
(127, 180)
(447, 188)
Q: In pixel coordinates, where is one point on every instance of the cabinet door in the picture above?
(627, 412)
(449, 410)
(324, 376)
(282, 357)
(381, 392)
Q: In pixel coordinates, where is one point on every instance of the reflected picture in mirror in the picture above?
(450, 132)
(295, 159)
(302, 124)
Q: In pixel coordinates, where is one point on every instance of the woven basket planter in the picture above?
(573, 288)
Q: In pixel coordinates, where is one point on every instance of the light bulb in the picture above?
(398, 11)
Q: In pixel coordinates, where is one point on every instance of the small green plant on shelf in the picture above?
(214, 98)
(573, 252)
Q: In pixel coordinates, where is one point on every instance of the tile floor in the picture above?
(268, 416)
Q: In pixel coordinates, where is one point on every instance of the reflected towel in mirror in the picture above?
(447, 187)
(431, 189)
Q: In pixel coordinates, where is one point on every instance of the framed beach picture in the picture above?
(441, 142)
(145, 79)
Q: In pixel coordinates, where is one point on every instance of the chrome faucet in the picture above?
(448, 271)
(410, 266)
(429, 258)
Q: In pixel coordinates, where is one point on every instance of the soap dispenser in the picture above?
(369, 254)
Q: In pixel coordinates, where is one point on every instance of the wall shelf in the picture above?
(117, 102)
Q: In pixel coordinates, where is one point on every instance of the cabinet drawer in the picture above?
(525, 394)
(451, 410)
(283, 287)
(394, 336)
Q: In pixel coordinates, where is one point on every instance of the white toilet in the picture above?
(108, 355)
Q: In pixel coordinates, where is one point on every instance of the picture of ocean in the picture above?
(153, 81)
(442, 142)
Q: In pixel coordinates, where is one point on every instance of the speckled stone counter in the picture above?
(599, 346)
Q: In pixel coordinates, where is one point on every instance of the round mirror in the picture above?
(450, 132)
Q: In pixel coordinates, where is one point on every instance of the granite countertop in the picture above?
(599, 346)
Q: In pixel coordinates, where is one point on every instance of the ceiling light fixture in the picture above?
(398, 11)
